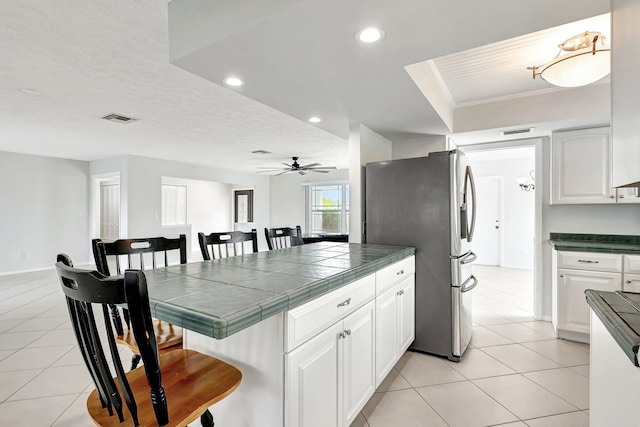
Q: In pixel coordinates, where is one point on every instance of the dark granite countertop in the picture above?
(620, 314)
(604, 243)
(221, 297)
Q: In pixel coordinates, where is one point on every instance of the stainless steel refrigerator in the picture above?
(429, 203)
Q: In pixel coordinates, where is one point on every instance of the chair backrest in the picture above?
(284, 237)
(226, 244)
(131, 247)
(82, 288)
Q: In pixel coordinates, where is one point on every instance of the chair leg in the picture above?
(206, 419)
(135, 359)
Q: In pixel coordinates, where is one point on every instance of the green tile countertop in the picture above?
(620, 314)
(607, 243)
(221, 297)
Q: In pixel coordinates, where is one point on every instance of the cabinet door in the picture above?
(311, 381)
(581, 167)
(358, 373)
(407, 312)
(386, 334)
(573, 310)
(631, 283)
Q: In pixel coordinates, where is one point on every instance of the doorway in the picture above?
(109, 211)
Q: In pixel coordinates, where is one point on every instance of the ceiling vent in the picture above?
(516, 131)
(261, 152)
(119, 118)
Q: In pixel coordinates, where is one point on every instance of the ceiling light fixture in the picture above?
(315, 119)
(370, 35)
(582, 59)
(233, 81)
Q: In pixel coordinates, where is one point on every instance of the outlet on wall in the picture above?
(23, 254)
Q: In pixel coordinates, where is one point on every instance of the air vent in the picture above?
(261, 152)
(119, 118)
(516, 131)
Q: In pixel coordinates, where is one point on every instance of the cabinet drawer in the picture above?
(631, 283)
(392, 274)
(590, 261)
(631, 264)
(309, 319)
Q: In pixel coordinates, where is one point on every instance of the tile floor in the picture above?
(515, 373)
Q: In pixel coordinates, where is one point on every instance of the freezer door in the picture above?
(462, 317)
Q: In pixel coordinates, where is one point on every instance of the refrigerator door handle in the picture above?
(469, 178)
(466, 287)
(466, 260)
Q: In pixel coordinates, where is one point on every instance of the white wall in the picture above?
(45, 211)
(288, 204)
(209, 207)
(518, 206)
(143, 180)
(364, 146)
(419, 147)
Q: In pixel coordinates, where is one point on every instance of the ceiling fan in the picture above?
(295, 167)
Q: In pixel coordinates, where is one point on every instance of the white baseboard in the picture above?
(34, 270)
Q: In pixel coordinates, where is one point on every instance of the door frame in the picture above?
(500, 180)
(537, 144)
(96, 181)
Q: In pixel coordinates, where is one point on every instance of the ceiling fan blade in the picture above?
(302, 173)
(321, 167)
(317, 170)
(310, 165)
(272, 170)
(287, 165)
(283, 172)
(275, 168)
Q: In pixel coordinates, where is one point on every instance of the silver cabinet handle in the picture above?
(622, 196)
(344, 334)
(347, 331)
(345, 302)
(400, 293)
(628, 282)
(588, 261)
(562, 276)
(341, 335)
(612, 197)
(400, 272)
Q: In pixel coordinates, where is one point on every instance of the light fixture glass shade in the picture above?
(582, 59)
(578, 69)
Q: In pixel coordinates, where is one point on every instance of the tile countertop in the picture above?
(608, 243)
(221, 297)
(620, 314)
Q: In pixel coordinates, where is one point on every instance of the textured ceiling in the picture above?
(92, 58)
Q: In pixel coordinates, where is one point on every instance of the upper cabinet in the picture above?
(581, 169)
(625, 92)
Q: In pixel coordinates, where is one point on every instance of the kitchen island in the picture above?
(614, 369)
(260, 311)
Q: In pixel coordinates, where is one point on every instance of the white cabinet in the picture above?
(573, 310)
(581, 162)
(330, 377)
(625, 92)
(631, 273)
(576, 272)
(395, 325)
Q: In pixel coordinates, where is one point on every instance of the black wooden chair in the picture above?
(227, 244)
(125, 251)
(284, 237)
(173, 388)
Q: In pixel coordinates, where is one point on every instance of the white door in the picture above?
(110, 211)
(486, 241)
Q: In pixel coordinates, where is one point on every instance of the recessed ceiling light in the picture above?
(28, 91)
(233, 81)
(370, 35)
(261, 152)
(315, 119)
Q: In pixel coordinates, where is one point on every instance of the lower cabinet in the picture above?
(573, 310)
(395, 325)
(329, 378)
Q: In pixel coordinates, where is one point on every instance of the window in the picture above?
(174, 204)
(328, 209)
